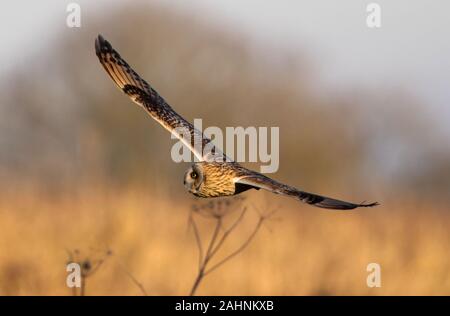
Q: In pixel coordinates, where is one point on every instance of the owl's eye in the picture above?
(193, 175)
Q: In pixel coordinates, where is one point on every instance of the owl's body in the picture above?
(211, 177)
(217, 179)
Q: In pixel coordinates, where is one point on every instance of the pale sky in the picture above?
(411, 50)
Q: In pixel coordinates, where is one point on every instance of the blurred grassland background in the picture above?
(81, 167)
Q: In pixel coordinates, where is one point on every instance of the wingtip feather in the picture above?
(368, 204)
(102, 45)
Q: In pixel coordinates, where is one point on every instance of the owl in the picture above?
(214, 175)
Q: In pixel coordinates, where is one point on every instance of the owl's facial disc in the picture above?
(193, 178)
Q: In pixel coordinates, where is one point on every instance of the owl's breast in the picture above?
(216, 187)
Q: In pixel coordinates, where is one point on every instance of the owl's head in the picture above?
(193, 178)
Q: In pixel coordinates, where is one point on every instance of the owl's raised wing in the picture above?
(259, 181)
(141, 93)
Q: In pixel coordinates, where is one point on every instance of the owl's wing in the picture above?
(260, 181)
(144, 95)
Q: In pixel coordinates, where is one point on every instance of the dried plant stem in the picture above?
(88, 268)
(236, 252)
(137, 283)
(83, 286)
(132, 277)
(228, 231)
(215, 244)
(198, 240)
(208, 255)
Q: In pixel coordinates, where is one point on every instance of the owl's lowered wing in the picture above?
(144, 95)
(260, 181)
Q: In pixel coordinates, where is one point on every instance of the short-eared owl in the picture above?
(208, 177)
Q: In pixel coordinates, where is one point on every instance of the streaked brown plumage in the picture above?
(215, 175)
(214, 178)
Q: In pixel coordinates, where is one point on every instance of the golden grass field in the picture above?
(300, 251)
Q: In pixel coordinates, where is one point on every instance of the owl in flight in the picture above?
(214, 174)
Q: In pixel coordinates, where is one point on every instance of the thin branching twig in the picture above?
(237, 251)
(198, 240)
(88, 267)
(218, 239)
(131, 276)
